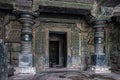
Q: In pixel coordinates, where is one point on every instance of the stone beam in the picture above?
(62, 4)
(61, 10)
(7, 1)
(5, 6)
(71, 21)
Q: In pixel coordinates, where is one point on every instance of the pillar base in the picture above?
(99, 64)
(98, 60)
(101, 69)
(25, 60)
(25, 64)
(25, 70)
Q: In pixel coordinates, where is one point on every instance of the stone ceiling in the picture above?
(55, 6)
(74, 4)
(35, 5)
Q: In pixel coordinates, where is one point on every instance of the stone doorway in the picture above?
(57, 49)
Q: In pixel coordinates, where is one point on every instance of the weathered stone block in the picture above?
(98, 60)
(25, 60)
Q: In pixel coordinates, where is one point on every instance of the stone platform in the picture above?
(66, 75)
(101, 69)
(25, 70)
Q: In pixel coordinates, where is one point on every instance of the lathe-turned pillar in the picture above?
(99, 64)
(25, 58)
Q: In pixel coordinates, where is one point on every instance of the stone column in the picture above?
(3, 53)
(99, 58)
(3, 62)
(25, 58)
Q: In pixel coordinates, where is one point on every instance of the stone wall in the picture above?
(87, 46)
(114, 46)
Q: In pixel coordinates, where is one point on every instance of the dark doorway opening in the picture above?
(57, 49)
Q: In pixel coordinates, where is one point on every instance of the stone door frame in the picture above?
(58, 29)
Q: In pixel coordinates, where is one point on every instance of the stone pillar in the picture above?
(3, 53)
(25, 58)
(3, 62)
(99, 58)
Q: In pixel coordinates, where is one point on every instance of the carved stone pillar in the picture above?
(99, 58)
(25, 58)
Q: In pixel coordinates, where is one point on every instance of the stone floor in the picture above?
(66, 76)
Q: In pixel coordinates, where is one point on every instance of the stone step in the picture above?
(55, 78)
(22, 77)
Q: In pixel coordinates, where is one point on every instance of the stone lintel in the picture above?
(7, 1)
(58, 20)
(64, 4)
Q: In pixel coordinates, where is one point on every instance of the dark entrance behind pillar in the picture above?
(57, 49)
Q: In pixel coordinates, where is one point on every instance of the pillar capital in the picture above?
(19, 13)
(96, 21)
(34, 14)
(27, 20)
(99, 24)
